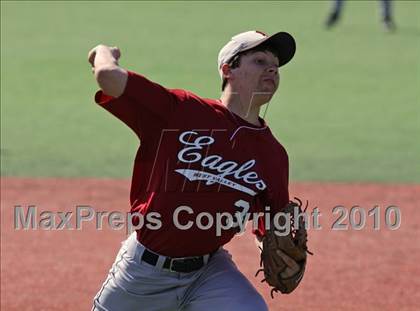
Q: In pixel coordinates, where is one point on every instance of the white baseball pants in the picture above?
(134, 285)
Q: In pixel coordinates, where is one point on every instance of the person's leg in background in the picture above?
(387, 18)
(335, 13)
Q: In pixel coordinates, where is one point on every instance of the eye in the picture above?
(260, 61)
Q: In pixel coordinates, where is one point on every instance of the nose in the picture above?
(273, 70)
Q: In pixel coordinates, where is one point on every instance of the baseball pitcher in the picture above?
(203, 169)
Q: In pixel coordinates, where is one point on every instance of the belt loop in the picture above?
(206, 259)
(138, 249)
(160, 262)
(139, 252)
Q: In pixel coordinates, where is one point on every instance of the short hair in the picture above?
(235, 62)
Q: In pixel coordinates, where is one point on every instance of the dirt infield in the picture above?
(351, 270)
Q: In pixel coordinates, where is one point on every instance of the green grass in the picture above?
(347, 110)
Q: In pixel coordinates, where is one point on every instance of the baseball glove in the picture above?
(284, 252)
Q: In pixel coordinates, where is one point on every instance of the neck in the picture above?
(241, 106)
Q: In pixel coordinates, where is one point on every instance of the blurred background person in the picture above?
(386, 12)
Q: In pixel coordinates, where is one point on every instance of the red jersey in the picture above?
(196, 154)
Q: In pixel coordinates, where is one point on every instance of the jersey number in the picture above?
(243, 208)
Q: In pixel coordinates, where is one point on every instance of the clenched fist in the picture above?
(107, 54)
(111, 78)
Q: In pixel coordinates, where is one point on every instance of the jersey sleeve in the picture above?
(142, 106)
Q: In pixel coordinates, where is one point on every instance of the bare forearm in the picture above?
(111, 78)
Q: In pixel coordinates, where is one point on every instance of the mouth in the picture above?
(269, 80)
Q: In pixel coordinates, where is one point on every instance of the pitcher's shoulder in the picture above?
(190, 98)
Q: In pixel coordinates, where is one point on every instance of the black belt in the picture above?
(184, 265)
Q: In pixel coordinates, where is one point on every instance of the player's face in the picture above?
(257, 72)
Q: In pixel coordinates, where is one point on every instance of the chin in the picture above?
(263, 99)
(269, 90)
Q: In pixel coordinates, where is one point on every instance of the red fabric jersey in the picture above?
(194, 152)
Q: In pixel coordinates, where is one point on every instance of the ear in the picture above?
(226, 71)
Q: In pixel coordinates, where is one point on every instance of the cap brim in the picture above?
(284, 45)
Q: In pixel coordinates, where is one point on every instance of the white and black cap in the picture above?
(282, 43)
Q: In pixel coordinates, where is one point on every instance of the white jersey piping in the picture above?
(248, 127)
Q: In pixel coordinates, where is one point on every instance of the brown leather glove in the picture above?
(283, 253)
